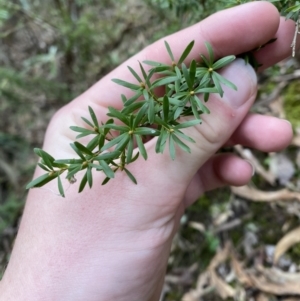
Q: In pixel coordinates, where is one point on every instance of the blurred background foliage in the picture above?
(53, 50)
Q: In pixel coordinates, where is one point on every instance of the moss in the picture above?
(291, 104)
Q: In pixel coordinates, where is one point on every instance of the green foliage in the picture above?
(145, 114)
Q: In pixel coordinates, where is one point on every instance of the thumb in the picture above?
(225, 116)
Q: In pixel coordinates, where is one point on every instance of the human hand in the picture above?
(113, 242)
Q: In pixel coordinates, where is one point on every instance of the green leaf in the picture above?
(146, 131)
(132, 108)
(93, 143)
(69, 161)
(60, 187)
(83, 149)
(210, 53)
(129, 150)
(108, 156)
(187, 124)
(42, 180)
(178, 73)
(182, 145)
(163, 81)
(169, 51)
(47, 159)
(161, 141)
(84, 132)
(115, 127)
(195, 109)
(184, 136)
(154, 64)
(83, 183)
(73, 170)
(93, 116)
(172, 147)
(123, 143)
(166, 107)
(113, 142)
(141, 146)
(201, 106)
(117, 114)
(126, 84)
(151, 110)
(193, 67)
(186, 75)
(89, 176)
(44, 167)
(223, 62)
(146, 77)
(133, 98)
(77, 151)
(140, 115)
(87, 121)
(186, 52)
(225, 81)
(130, 175)
(135, 74)
(217, 83)
(107, 170)
(105, 181)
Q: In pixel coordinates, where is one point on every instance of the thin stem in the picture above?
(293, 45)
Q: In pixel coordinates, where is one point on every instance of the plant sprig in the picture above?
(119, 141)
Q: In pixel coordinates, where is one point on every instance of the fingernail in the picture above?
(287, 121)
(252, 166)
(245, 79)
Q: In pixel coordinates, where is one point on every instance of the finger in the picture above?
(281, 48)
(219, 171)
(258, 131)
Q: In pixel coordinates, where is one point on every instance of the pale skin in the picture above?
(112, 242)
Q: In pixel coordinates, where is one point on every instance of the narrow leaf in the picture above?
(186, 52)
(83, 183)
(151, 111)
(146, 131)
(166, 107)
(83, 149)
(210, 52)
(223, 62)
(87, 121)
(106, 169)
(193, 67)
(89, 176)
(93, 116)
(113, 142)
(47, 159)
(60, 187)
(163, 81)
(141, 146)
(135, 74)
(130, 175)
(172, 147)
(129, 150)
(226, 82)
(117, 114)
(182, 145)
(186, 75)
(42, 180)
(169, 51)
(187, 124)
(141, 113)
(126, 84)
